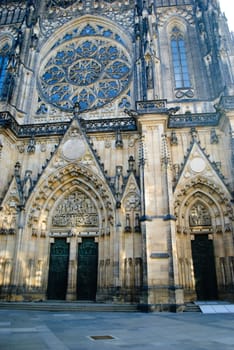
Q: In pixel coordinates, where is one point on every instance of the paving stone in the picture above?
(64, 331)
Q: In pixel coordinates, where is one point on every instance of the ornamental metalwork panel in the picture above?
(58, 271)
(91, 66)
(76, 209)
(87, 269)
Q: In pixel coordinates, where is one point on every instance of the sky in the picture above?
(227, 6)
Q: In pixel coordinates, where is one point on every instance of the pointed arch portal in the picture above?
(75, 211)
(203, 252)
(203, 214)
(204, 267)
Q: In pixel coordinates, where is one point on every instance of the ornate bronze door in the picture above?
(87, 269)
(58, 271)
(204, 268)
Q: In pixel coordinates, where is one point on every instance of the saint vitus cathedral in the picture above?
(116, 152)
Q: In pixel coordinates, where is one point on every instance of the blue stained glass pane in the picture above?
(107, 33)
(178, 76)
(179, 84)
(88, 30)
(83, 105)
(185, 71)
(118, 38)
(117, 70)
(180, 63)
(75, 99)
(55, 97)
(60, 54)
(181, 42)
(67, 37)
(176, 66)
(3, 72)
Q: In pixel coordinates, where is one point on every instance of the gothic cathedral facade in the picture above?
(116, 152)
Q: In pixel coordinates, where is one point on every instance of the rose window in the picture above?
(89, 69)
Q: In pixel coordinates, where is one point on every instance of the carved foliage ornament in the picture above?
(63, 3)
(66, 3)
(91, 67)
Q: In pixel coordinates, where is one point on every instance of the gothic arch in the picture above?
(169, 14)
(215, 201)
(176, 22)
(68, 28)
(61, 183)
(6, 39)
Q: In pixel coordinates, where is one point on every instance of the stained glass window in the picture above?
(4, 59)
(90, 66)
(179, 58)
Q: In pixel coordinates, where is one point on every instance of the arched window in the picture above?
(4, 76)
(179, 59)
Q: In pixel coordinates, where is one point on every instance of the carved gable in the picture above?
(197, 166)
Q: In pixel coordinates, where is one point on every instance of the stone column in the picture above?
(158, 226)
(72, 269)
(15, 288)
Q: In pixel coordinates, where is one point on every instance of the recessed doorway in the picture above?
(87, 269)
(58, 269)
(204, 268)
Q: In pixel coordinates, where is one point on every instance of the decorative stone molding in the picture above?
(59, 128)
(120, 12)
(165, 13)
(193, 120)
(155, 106)
(74, 179)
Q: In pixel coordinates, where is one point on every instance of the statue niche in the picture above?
(199, 215)
(76, 209)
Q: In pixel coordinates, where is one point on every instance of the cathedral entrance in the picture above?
(87, 269)
(204, 268)
(58, 270)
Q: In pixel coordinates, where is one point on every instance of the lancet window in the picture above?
(4, 59)
(179, 59)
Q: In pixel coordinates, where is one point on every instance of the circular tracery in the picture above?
(90, 70)
(84, 71)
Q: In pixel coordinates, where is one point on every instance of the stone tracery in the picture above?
(89, 65)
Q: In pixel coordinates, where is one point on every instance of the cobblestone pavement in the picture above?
(43, 330)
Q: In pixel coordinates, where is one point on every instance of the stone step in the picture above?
(69, 306)
(191, 307)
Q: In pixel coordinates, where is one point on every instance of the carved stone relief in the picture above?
(199, 215)
(76, 209)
